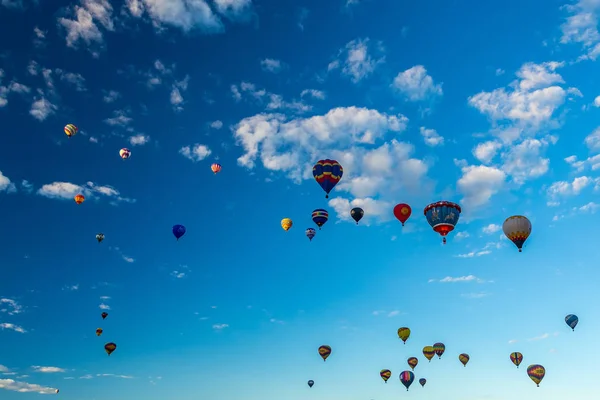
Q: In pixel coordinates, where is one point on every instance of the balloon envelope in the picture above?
(516, 358)
(404, 334)
(324, 351)
(310, 233)
(286, 224)
(385, 374)
(572, 320)
(517, 229)
(327, 173)
(311, 383)
(178, 231)
(357, 213)
(443, 217)
(407, 378)
(536, 373)
(402, 212)
(215, 168)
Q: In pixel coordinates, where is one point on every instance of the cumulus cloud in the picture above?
(216, 124)
(83, 27)
(67, 190)
(416, 85)
(24, 387)
(358, 59)
(491, 228)
(561, 189)
(139, 139)
(272, 101)
(271, 65)
(314, 93)
(431, 137)
(6, 185)
(581, 27)
(478, 184)
(196, 152)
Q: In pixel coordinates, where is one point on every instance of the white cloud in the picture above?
(197, 152)
(478, 295)
(216, 124)
(6, 185)
(416, 84)
(10, 306)
(597, 101)
(356, 61)
(565, 188)
(42, 108)
(119, 118)
(467, 278)
(486, 151)
(512, 341)
(24, 387)
(592, 141)
(139, 139)
(103, 306)
(491, 228)
(178, 274)
(479, 183)
(127, 259)
(393, 313)
(474, 254)
(273, 101)
(47, 370)
(111, 96)
(220, 327)
(85, 25)
(431, 137)
(582, 27)
(314, 93)
(13, 327)
(271, 65)
(71, 287)
(75, 80)
(461, 235)
(541, 337)
(67, 190)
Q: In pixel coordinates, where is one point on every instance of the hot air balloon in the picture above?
(311, 383)
(516, 358)
(464, 358)
(412, 362)
(327, 173)
(109, 348)
(439, 349)
(79, 198)
(310, 233)
(70, 130)
(357, 213)
(572, 320)
(385, 374)
(99, 331)
(100, 237)
(536, 373)
(324, 352)
(402, 212)
(404, 334)
(428, 352)
(517, 229)
(422, 381)
(286, 224)
(407, 378)
(178, 231)
(320, 216)
(104, 315)
(57, 391)
(125, 153)
(443, 217)
(216, 168)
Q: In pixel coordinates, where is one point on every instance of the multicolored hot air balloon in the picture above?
(412, 362)
(464, 359)
(385, 374)
(310, 233)
(100, 237)
(402, 212)
(572, 320)
(536, 373)
(125, 153)
(215, 168)
(404, 334)
(324, 351)
(286, 224)
(422, 381)
(439, 349)
(178, 231)
(311, 383)
(428, 352)
(71, 130)
(407, 378)
(79, 198)
(517, 229)
(357, 213)
(99, 331)
(320, 216)
(443, 217)
(516, 358)
(328, 173)
(109, 348)
(104, 315)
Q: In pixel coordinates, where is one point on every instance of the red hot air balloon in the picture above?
(402, 212)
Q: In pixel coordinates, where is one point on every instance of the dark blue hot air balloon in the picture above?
(178, 231)
(407, 378)
(320, 216)
(328, 173)
(572, 320)
(310, 233)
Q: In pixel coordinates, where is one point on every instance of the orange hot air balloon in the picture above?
(109, 348)
(99, 331)
(79, 198)
(216, 168)
(324, 352)
(402, 212)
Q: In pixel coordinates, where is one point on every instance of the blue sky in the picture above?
(492, 105)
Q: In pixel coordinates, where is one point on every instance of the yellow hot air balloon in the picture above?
(385, 374)
(70, 130)
(286, 224)
(517, 229)
(404, 334)
(464, 358)
(79, 198)
(428, 352)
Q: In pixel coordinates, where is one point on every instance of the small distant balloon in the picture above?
(216, 168)
(57, 391)
(100, 237)
(125, 153)
(99, 332)
(71, 130)
(536, 373)
(402, 212)
(310, 233)
(385, 374)
(79, 198)
(407, 378)
(464, 359)
(178, 231)
(104, 315)
(404, 334)
(517, 229)
(286, 224)
(412, 362)
(428, 352)
(311, 383)
(439, 349)
(324, 351)
(357, 213)
(320, 216)
(516, 358)
(572, 320)
(109, 348)
(422, 381)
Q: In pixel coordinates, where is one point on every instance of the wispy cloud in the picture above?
(47, 370)
(512, 341)
(474, 254)
(387, 313)
(13, 327)
(10, 306)
(476, 295)
(24, 387)
(491, 228)
(450, 279)
(71, 287)
(220, 327)
(542, 337)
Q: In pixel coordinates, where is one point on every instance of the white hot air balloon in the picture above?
(517, 228)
